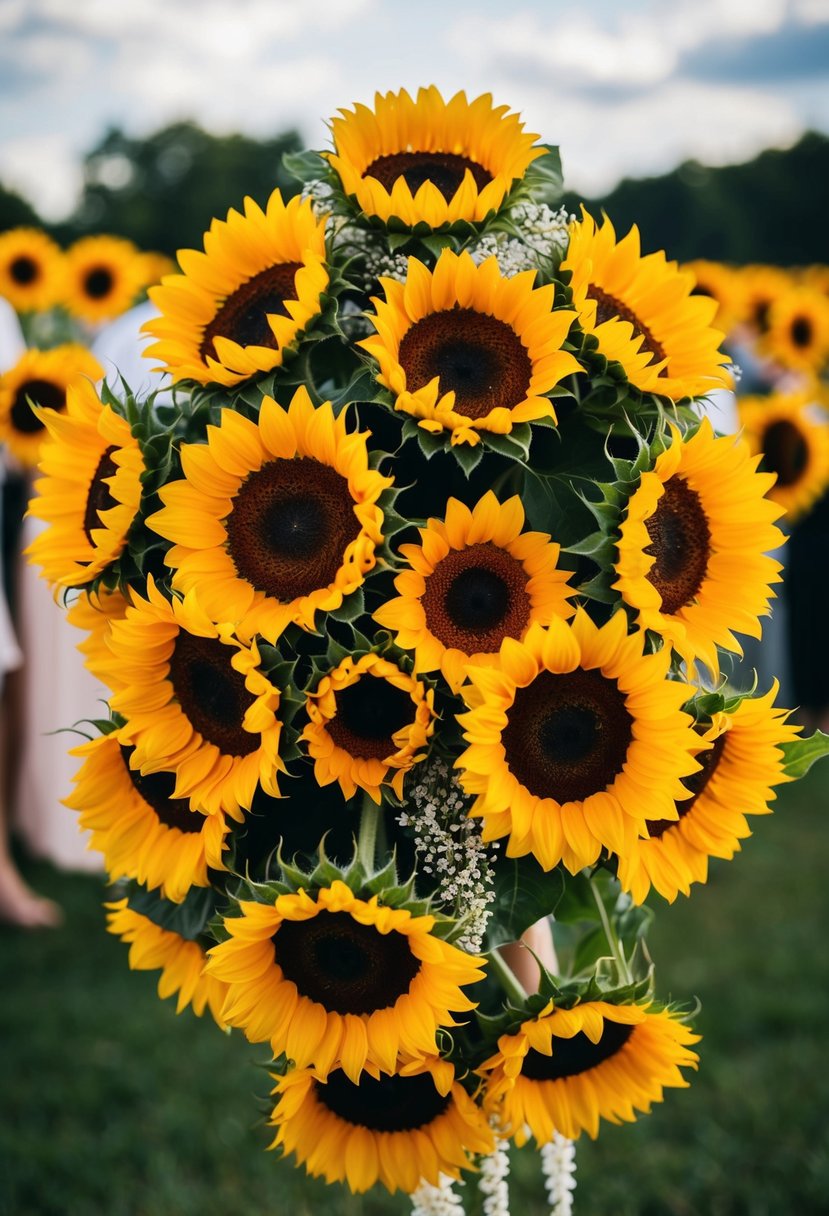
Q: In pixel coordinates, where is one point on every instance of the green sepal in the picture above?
(800, 754)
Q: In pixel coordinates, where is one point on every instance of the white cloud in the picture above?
(42, 168)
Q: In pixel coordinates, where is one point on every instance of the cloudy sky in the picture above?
(626, 87)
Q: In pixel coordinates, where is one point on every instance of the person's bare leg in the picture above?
(19, 905)
(521, 959)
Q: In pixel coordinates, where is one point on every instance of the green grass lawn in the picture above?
(112, 1105)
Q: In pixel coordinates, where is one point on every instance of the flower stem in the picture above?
(612, 939)
(506, 977)
(367, 837)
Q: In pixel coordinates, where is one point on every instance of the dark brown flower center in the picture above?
(98, 282)
(388, 1104)
(760, 313)
(567, 735)
(100, 497)
(576, 1055)
(443, 169)
(476, 356)
(680, 545)
(802, 332)
(24, 270)
(343, 965)
(156, 789)
(368, 714)
(243, 317)
(785, 452)
(45, 394)
(476, 597)
(291, 523)
(696, 783)
(212, 693)
(608, 307)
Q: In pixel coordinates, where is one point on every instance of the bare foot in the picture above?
(20, 906)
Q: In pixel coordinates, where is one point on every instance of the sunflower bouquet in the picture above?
(416, 599)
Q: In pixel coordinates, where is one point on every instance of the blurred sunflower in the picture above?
(740, 767)
(40, 378)
(276, 520)
(718, 282)
(575, 739)
(692, 548)
(142, 831)
(797, 336)
(643, 313)
(757, 288)
(568, 1068)
(336, 981)
(195, 702)
(238, 305)
(430, 161)
(791, 435)
(400, 1130)
(31, 269)
(370, 723)
(465, 350)
(180, 961)
(474, 580)
(93, 614)
(89, 491)
(103, 277)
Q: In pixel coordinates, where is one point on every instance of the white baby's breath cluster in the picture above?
(321, 194)
(558, 1162)
(439, 1200)
(450, 848)
(544, 236)
(541, 226)
(493, 1178)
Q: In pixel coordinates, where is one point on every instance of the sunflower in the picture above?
(368, 719)
(465, 350)
(474, 580)
(399, 1129)
(718, 281)
(31, 269)
(104, 274)
(89, 492)
(40, 378)
(575, 739)
(180, 961)
(430, 161)
(336, 981)
(566, 1069)
(758, 287)
(643, 313)
(142, 831)
(93, 614)
(740, 767)
(276, 520)
(238, 305)
(791, 436)
(196, 703)
(797, 336)
(691, 552)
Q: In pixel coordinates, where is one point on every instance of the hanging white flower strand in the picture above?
(558, 1162)
(493, 1180)
(439, 1200)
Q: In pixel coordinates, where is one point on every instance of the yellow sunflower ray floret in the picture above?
(241, 303)
(693, 548)
(35, 390)
(416, 1125)
(180, 961)
(104, 274)
(89, 490)
(790, 434)
(464, 349)
(275, 520)
(370, 723)
(575, 739)
(428, 160)
(335, 981)
(741, 765)
(196, 703)
(141, 830)
(474, 579)
(32, 267)
(567, 1069)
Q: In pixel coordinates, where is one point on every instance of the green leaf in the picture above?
(800, 754)
(188, 919)
(305, 166)
(545, 178)
(524, 893)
